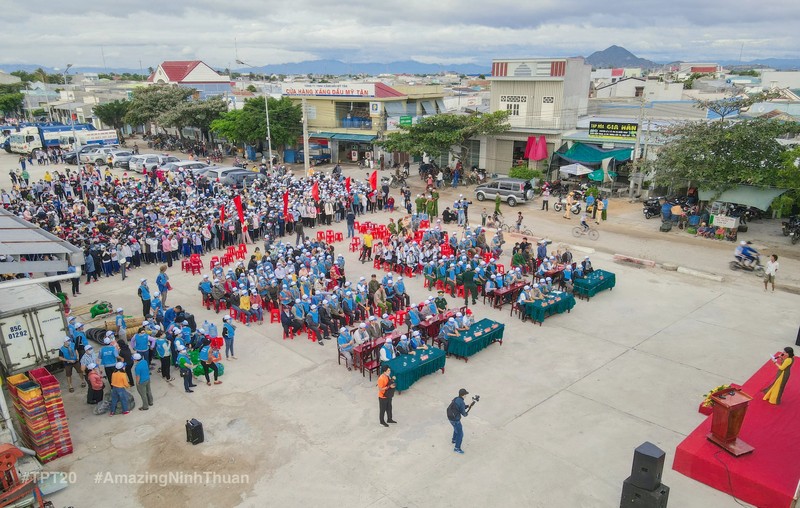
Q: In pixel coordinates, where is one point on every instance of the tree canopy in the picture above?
(112, 113)
(733, 104)
(149, 103)
(446, 134)
(10, 99)
(195, 113)
(717, 156)
(249, 125)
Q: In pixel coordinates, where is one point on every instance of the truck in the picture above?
(106, 137)
(317, 154)
(32, 328)
(26, 140)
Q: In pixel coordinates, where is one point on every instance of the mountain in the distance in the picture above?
(615, 57)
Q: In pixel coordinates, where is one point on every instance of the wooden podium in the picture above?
(730, 407)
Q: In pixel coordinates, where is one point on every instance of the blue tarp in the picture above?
(592, 155)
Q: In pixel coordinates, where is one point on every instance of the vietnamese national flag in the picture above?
(222, 214)
(238, 202)
(286, 203)
(347, 184)
(315, 191)
(373, 180)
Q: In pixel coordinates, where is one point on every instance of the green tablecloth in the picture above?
(593, 283)
(407, 369)
(541, 309)
(468, 344)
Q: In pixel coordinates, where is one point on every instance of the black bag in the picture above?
(194, 432)
(452, 410)
(185, 372)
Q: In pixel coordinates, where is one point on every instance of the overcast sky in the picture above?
(439, 31)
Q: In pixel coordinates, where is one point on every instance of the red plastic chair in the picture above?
(291, 333)
(376, 263)
(241, 252)
(320, 236)
(186, 265)
(501, 268)
(409, 272)
(274, 316)
(214, 262)
(227, 259)
(338, 237)
(355, 244)
(424, 224)
(231, 250)
(196, 267)
(357, 226)
(329, 236)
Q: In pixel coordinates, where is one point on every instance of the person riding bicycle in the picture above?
(746, 254)
(584, 224)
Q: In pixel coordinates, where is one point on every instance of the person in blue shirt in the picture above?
(229, 334)
(400, 292)
(162, 282)
(346, 344)
(169, 317)
(455, 411)
(416, 341)
(142, 374)
(207, 363)
(205, 289)
(69, 356)
(79, 339)
(108, 355)
(144, 294)
(164, 352)
(157, 308)
(141, 343)
(119, 320)
(387, 351)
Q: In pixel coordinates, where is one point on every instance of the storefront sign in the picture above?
(331, 89)
(406, 120)
(723, 221)
(616, 130)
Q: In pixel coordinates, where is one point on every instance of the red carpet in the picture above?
(766, 478)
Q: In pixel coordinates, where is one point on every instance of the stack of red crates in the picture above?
(32, 415)
(54, 407)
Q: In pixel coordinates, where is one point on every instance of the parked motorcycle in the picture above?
(790, 224)
(651, 208)
(559, 206)
(755, 267)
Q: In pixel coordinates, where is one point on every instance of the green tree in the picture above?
(734, 103)
(248, 125)
(716, 156)
(148, 103)
(113, 114)
(199, 114)
(251, 88)
(446, 134)
(11, 98)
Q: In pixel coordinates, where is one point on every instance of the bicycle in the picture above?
(578, 231)
(523, 230)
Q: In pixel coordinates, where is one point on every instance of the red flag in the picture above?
(347, 184)
(373, 180)
(315, 191)
(222, 213)
(238, 202)
(286, 204)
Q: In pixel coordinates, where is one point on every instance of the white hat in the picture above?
(385, 316)
(137, 356)
(373, 318)
(72, 318)
(363, 325)
(226, 318)
(156, 293)
(119, 365)
(67, 339)
(181, 347)
(201, 330)
(415, 333)
(528, 287)
(119, 309)
(451, 320)
(205, 276)
(78, 325)
(89, 347)
(343, 329)
(109, 333)
(458, 314)
(145, 323)
(106, 341)
(313, 307)
(404, 337)
(142, 280)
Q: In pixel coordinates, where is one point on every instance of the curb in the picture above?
(637, 261)
(699, 274)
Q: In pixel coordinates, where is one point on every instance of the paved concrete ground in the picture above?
(562, 405)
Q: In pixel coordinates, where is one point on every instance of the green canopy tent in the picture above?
(597, 175)
(589, 155)
(758, 197)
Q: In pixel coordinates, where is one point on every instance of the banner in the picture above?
(222, 214)
(373, 180)
(347, 184)
(286, 204)
(238, 202)
(613, 130)
(315, 191)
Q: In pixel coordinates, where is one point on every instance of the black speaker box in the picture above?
(637, 497)
(194, 432)
(648, 465)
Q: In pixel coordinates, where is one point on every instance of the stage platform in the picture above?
(767, 477)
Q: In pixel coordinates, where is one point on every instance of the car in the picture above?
(72, 157)
(196, 167)
(149, 161)
(511, 190)
(98, 155)
(241, 178)
(120, 158)
(218, 172)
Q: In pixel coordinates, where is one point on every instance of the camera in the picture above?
(476, 398)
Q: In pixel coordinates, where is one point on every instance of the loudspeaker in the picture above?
(648, 465)
(194, 432)
(637, 497)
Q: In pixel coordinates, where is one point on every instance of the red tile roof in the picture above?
(177, 70)
(383, 91)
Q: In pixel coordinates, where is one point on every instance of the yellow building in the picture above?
(350, 117)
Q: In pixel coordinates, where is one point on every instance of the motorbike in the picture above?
(794, 233)
(575, 209)
(756, 267)
(790, 224)
(393, 181)
(651, 208)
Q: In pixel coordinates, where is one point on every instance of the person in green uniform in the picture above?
(440, 302)
(435, 197)
(497, 202)
(430, 206)
(468, 279)
(420, 203)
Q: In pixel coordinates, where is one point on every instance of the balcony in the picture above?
(356, 123)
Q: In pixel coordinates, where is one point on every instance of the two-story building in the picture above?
(543, 96)
(192, 74)
(350, 117)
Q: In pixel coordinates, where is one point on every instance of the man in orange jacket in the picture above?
(386, 388)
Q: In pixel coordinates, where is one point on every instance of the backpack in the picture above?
(452, 411)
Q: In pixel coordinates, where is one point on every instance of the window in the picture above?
(516, 105)
(639, 91)
(548, 108)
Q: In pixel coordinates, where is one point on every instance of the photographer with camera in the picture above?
(455, 411)
(386, 387)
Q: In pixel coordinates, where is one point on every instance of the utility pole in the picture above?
(306, 164)
(635, 158)
(266, 112)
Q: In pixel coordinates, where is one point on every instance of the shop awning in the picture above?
(589, 154)
(427, 107)
(395, 108)
(759, 197)
(326, 135)
(440, 105)
(358, 138)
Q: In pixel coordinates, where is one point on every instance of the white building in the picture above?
(650, 89)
